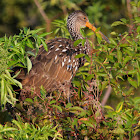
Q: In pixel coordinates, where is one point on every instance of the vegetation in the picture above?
(50, 117)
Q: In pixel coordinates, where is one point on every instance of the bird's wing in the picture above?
(53, 68)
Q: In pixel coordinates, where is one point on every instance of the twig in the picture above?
(45, 17)
(106, 96)
(129, 14)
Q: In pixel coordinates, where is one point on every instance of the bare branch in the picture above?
(45, 17)
(106, 96)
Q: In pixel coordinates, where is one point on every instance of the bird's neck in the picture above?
(75, 33)
(83, 49)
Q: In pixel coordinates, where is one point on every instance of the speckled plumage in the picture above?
(55, 69)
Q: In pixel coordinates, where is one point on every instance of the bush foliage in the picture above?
(116, 64)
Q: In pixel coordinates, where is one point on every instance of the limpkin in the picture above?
(55, 69)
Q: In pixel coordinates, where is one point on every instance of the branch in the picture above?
(45, 17)
(106, 96)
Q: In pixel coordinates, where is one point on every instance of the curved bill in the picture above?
(93, 28)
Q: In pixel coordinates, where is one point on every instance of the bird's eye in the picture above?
(84, 18)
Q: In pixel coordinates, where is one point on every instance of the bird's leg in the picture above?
(66, 90)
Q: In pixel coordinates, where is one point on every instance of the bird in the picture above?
(55, 68)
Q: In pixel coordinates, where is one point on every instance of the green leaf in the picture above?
(136, 100)
(126, 59)
(101, 74)
(123, 20)
(132, 82)
(99, 37)
(137, 19)
(113, 33)
(79, 55)
(87, 58)
(83, 42)
(104, 84)
(116, 23)
(76, 83)
(119, 54)
(29, 64)
(36, 31)
(77, 108)
(120, 77)
(29, 43)
(52, 102)
(82, 32)
(138, 4)
(138, 78)
(119, 107)
(113, 41)
(29, 100)
(138, 29)
(90, 33)
(7, 129)
(18, 83)
(108, 107)
(44, 44)
(45, 34)
(18, 124)
(69, 105)
(58, 107)
(118, 131)
(31, 53)
(16, 74)
(132, 71)
(3, 96)
(10, 93)
(77, 42)
(88, 123)
(90, 77)
(75, 122)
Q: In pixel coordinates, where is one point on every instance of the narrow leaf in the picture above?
(58, 107)
(2, 91)
(77, 42)
(52, 102)
(132, 82)
(119, 54)
(29, 100)
(29, 64)
(80, 55)
(108, 107)
(30, 53)
(45, 34)
(116, 23)
(120, 107)
(44, 44)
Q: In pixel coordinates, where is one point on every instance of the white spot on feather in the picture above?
(65, 59)
(60, 45)
(69, 67)
(64, 50)
(76, 68)
(55, 57)
(51, 47)
(57, 49)
(63, 64)
(69, 60)
(48, 52)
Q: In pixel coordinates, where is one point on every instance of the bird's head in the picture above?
(78, 19)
